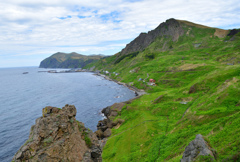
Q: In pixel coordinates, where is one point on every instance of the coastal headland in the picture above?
(191, 109)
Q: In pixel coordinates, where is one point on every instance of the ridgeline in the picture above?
(71, 60)
(191, 111)
(195, 72)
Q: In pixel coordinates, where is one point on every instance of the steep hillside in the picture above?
(197, 75)
(72, 60)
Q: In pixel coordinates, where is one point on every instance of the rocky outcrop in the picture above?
(104, 126)
(196, 148)
(171, 28)
(58, 136)
(233, 32)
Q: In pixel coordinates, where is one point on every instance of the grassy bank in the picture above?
(197, 92)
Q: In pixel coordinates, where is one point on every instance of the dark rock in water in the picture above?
(113, 110)
(58, 136)
(106, 111)
(196, 148)
(104, 126)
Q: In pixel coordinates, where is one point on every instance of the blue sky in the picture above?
(33, 30)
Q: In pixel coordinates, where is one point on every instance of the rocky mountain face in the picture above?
(171, 28)
(71, 60)
(58, 136)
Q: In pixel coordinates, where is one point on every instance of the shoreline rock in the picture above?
(57, 136)
(110, 112)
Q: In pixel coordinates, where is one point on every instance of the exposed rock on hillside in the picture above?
(104, 126)
(196, 148)
(233, 32)
(58, 136)
(72, 60)
(171, 28)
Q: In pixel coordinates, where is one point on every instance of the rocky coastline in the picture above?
(57, 135)
(138, 92)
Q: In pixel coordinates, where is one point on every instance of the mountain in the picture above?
(71, 60)
(171, 29)
(194, 90)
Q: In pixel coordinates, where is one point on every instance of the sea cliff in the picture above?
(58, 136)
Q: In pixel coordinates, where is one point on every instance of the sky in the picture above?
(32, 30)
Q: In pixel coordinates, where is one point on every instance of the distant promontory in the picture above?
(68, 60)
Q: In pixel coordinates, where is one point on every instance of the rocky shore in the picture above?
(137, 91)
(104, 126)
(57, 135)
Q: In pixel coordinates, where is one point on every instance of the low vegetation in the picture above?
(198, 79)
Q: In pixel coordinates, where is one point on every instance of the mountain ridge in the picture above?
(191, 80)
(171, 28)
(68, 60)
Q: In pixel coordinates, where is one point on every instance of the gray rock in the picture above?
(99, 134)
(96, 152)
(195, 148)
(107, 133)
(106, 111)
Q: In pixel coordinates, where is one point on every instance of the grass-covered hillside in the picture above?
(197, 92)
(71, 60)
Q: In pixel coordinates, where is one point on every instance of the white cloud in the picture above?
(43, 27)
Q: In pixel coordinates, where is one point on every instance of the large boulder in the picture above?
(112, 111)
(107, 133)
(58, 136)
(196, 148)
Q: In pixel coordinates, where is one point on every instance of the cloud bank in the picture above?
(36, 29)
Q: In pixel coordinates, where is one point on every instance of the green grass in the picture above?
(160, 131)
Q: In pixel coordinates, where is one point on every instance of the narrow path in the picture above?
(187, 109)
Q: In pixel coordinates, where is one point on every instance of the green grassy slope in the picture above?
(160, 124)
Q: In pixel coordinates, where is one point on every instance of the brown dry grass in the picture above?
(193, 24)
(220, 33)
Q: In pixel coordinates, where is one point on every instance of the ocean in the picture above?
(23, 96)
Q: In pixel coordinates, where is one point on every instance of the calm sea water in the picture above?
(23, 96)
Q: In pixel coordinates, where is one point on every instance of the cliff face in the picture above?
(72, 60)
(58, 136)
(171, 28)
